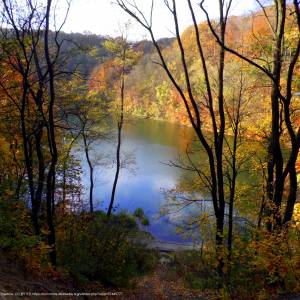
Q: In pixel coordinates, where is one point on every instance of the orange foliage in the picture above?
(104, 77)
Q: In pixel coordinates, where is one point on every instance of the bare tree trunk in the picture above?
(276, 160)
(65, 165)
(52, 140)
(292, 196)
(120, 126)
(41, 166)
(91, 168)
(235, 120)
(232, 193)
(28, 161)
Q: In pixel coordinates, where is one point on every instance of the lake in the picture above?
(147, 147)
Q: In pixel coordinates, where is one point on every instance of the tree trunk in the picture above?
(292, 196)
(87, 155)
(28, 161)
(41, 166)
(52, 141)
(120, 126)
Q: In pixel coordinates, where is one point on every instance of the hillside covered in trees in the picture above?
(128, 166)
(151, 94)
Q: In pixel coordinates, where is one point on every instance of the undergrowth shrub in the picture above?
(265, 266)
(98, 248)
(17, 238)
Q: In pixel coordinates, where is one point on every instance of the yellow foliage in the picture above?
(33, 259)
(296, 215)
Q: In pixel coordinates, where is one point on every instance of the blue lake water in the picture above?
(147, 147)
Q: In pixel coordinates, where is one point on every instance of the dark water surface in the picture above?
(150, 144)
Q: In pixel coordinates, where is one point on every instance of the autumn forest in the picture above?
(150, 168)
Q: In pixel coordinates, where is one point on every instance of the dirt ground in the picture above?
(161, 285)
(157, 285)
